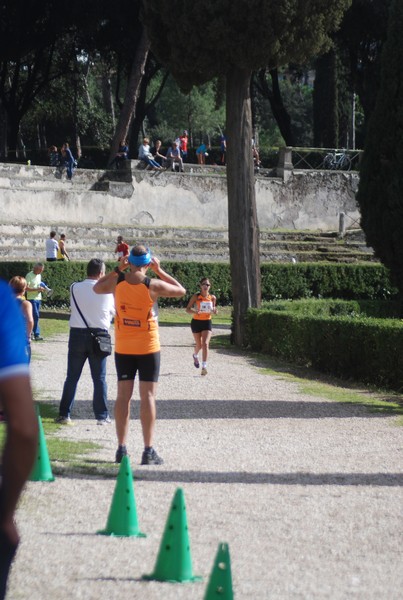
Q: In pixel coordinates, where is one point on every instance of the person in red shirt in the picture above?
(184, 144)
(122, 249)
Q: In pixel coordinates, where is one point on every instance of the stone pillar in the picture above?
(285, 166)
(342, 224)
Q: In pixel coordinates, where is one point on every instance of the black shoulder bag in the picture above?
(102, 342)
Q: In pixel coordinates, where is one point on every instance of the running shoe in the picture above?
(150, 457)
(120, 453)
(204, 371)
(196, 361)
(106, 421)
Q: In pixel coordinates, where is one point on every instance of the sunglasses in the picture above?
(206, 284)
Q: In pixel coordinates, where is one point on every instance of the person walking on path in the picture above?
(21, 425)
(34, 296)
(137, 344)
(201, 306)
(97, 311)
(51, 247)
(68, 160)
(61, 249)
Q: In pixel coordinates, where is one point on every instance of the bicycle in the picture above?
(337, 161)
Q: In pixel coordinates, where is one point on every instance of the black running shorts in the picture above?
(148, 366)
(198, 325)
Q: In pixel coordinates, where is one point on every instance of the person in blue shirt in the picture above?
(21, 425)
(122, 154)
(201, 153)
(68, 160)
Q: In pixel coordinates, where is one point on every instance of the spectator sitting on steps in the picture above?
(158, 157)
(174, 156)
(146, 156)
(122, 155)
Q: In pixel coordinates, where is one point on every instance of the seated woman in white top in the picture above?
(146, 156)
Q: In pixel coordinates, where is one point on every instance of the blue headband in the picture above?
(140, 261)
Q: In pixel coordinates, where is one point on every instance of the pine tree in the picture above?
(233, 38)
(380, 193)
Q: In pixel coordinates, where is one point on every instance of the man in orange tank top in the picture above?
(137, 345)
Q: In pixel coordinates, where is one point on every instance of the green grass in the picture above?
(166, 316)
(52, 327)
(179, 316)
(63, 453)
(374, 400)
(316, 384)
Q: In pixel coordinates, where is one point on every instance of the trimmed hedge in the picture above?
(361, 348)
(293, 281)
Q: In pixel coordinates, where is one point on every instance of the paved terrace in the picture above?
(306, 491)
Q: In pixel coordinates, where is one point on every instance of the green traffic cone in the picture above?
(122, 518)
(220, 582)
(41, 471)
(174, 562)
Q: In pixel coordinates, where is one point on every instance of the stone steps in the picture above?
(27, 242)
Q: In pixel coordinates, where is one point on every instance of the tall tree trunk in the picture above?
(139, 114)
(279, 111)
(243, 229)
(3, 134)
(325, 101)
(107, 97)
(132, 90)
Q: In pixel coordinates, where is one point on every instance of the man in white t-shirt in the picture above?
(51, 247)
(97, 311)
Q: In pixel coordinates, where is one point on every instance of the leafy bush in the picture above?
(355, 346)
(291, 281)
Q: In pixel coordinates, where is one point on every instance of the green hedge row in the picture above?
(364, 349)
(382, 309)
(291, 281)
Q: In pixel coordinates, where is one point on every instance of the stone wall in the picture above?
(306, 200)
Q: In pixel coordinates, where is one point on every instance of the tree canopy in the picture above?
(202, 40)
(380, 193)
(233, 38)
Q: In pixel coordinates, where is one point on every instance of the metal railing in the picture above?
(325, 158)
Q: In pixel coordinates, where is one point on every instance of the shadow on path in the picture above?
(242, 409)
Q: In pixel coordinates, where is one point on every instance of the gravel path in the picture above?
(307, 492)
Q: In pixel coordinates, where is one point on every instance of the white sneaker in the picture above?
(63, 420)
(106, 421)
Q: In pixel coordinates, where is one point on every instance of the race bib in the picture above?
(206, 307)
